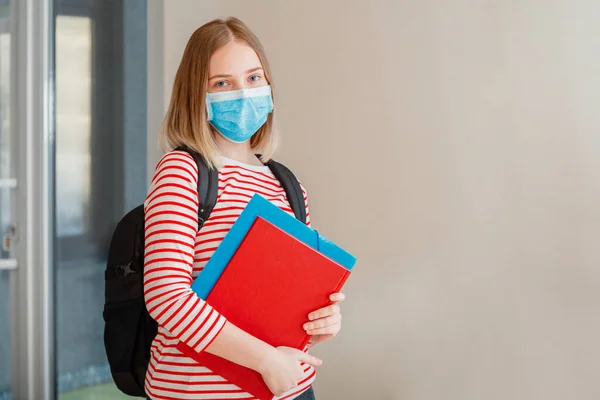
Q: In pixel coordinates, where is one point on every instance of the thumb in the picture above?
(309, 359)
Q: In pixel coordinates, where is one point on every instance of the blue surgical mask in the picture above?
(239, 114)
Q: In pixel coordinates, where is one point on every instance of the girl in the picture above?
(221, 106)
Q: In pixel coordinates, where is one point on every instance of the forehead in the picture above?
(236, 57)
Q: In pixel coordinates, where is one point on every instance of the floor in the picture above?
(99, 392)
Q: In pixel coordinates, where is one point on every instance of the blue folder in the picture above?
(258, 206)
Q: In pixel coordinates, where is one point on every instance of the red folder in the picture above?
(270, 285)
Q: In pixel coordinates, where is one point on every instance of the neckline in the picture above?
(231, 161)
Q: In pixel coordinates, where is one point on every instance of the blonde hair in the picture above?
(185, 123)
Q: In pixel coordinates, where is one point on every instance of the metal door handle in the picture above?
(8, 263)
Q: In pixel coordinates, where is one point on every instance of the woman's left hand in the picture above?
(325, 323)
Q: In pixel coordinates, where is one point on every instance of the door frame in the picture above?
(32, 123)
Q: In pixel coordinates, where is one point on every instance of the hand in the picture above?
(325, 323)
(281, 369)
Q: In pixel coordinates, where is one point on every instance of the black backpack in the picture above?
(129, 330)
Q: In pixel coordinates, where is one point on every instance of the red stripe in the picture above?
(193, 320)
(159, 269)
(218, 206)
(150, 213)
(253, 172)
(216, 334)
(179, 172)
(207, 250)
(193, 200)
(267, 195)
(209, 331)
(186, 373)
(169, 216)
(212, 222)
(194, 391)
(187, 314)
(164, 260)
(164, 186)
(230, 208)
(201, 325)
(221, 217)
(175, 364)
(195, 343)
(275, 189)
(171, 221)
(162, 241)
(192, 363)
(228, 175)
(201, 242)
(173, 175)
(213, 232)
(173, 315)
(176, 156)
(201, 383)
(172, 279)
(168, 250)
(167, 232)
(161, 294)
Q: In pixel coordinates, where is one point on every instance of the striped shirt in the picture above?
(175, 253)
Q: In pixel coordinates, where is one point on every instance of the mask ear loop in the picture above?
(209, 113)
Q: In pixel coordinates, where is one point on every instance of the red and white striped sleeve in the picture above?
(171, 217)
(306, 204)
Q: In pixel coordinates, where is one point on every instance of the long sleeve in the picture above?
(306, 205)
(171, 223)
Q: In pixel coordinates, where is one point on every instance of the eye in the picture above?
(221, 84)
(255, 78)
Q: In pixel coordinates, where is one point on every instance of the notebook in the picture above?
(270, 284)
(258, 206)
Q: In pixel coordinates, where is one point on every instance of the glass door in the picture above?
(8, 184)
(100, 173)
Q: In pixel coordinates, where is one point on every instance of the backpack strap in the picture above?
(208, 185)
(292, 188)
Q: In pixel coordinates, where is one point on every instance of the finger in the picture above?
(323, 322)
(314, 340)
(337, 297)
(309, 359)
(329, 330)
(324, 312)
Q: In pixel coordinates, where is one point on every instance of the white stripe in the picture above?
(162, 390)
(208, 322)
(192, 369)
(238, 94)
(201, 387)
(212, 334)
(198, 320)
(191, 376)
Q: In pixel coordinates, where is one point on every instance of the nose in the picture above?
(240, 83)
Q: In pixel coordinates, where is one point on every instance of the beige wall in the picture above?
(454, 147)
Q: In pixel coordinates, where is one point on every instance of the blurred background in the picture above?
(452, 146)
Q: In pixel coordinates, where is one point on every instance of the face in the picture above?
(235, 66)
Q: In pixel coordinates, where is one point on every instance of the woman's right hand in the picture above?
(281, 369)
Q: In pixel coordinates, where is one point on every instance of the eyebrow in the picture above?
(229, 76)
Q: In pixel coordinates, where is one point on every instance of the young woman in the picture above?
(222, 107)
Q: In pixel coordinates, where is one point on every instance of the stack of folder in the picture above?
(269, 272)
